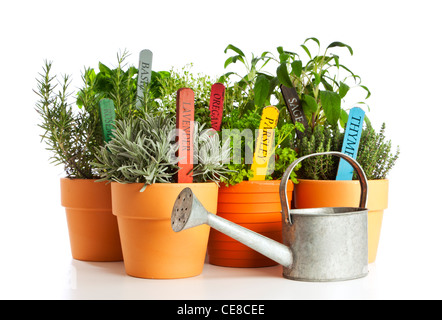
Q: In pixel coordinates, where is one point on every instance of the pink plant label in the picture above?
(216, 105)
(185, 110)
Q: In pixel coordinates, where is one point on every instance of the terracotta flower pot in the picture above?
(93, 229)
(254, 205)
(151, 249)
(332, 193)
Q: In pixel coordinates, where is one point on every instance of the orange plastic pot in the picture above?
(331, 193)
(254, 205)
(151, 249)
(93, 229)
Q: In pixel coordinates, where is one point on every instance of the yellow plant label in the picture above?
(264, 148)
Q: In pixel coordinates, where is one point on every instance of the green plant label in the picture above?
(350, 146)
(294, 107)
(265, 142)
(185, 109)
(216, 105)
(144, 73)
(107, 115)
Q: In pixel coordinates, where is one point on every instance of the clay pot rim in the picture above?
(340, 181)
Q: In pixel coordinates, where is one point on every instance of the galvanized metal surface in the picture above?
(328, 244)
(320, 244)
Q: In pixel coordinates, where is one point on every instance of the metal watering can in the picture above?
(320, 244)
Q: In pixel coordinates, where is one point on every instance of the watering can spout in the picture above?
(188, 212)
(324, 244)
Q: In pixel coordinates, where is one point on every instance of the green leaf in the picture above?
(104, 69)
(280, 49)
(262, 87)
(283, 56)
(232, 47)
(233, 59)
(306, 50)
(297, 67)
(326, 85)
(368, 91)
(314, 39)
(343, 89)
(317, 78)
(340, 44)
(331, 103)
(283, 75)
(224, 77)
(309, 103)
(343, 118)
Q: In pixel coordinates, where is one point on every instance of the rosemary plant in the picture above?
(74, 135)
(70, 136)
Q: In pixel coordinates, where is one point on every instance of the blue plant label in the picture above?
(144, 73)
(107, 115)
(350, 145)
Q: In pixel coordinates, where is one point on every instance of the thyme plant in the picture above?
(375, 153)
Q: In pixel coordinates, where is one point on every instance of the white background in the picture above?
(397, 50)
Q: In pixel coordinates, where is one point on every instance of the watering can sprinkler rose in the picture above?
(320, 244)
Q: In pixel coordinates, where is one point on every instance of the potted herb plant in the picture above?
(317, 186)
(322, 84)
(141, 163)
(243, 198)
(72, 136)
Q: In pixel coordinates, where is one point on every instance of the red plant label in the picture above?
(216, 105)
(185, 109)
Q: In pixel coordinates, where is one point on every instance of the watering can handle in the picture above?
(285, 177)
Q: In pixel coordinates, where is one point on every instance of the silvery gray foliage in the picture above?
(143, 150)
(211, 155)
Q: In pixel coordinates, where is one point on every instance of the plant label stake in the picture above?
(216, 105)
(107, 115)
(265, 142)
(144, 74)
(350, 145)
(294, 107)
(185, 109)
